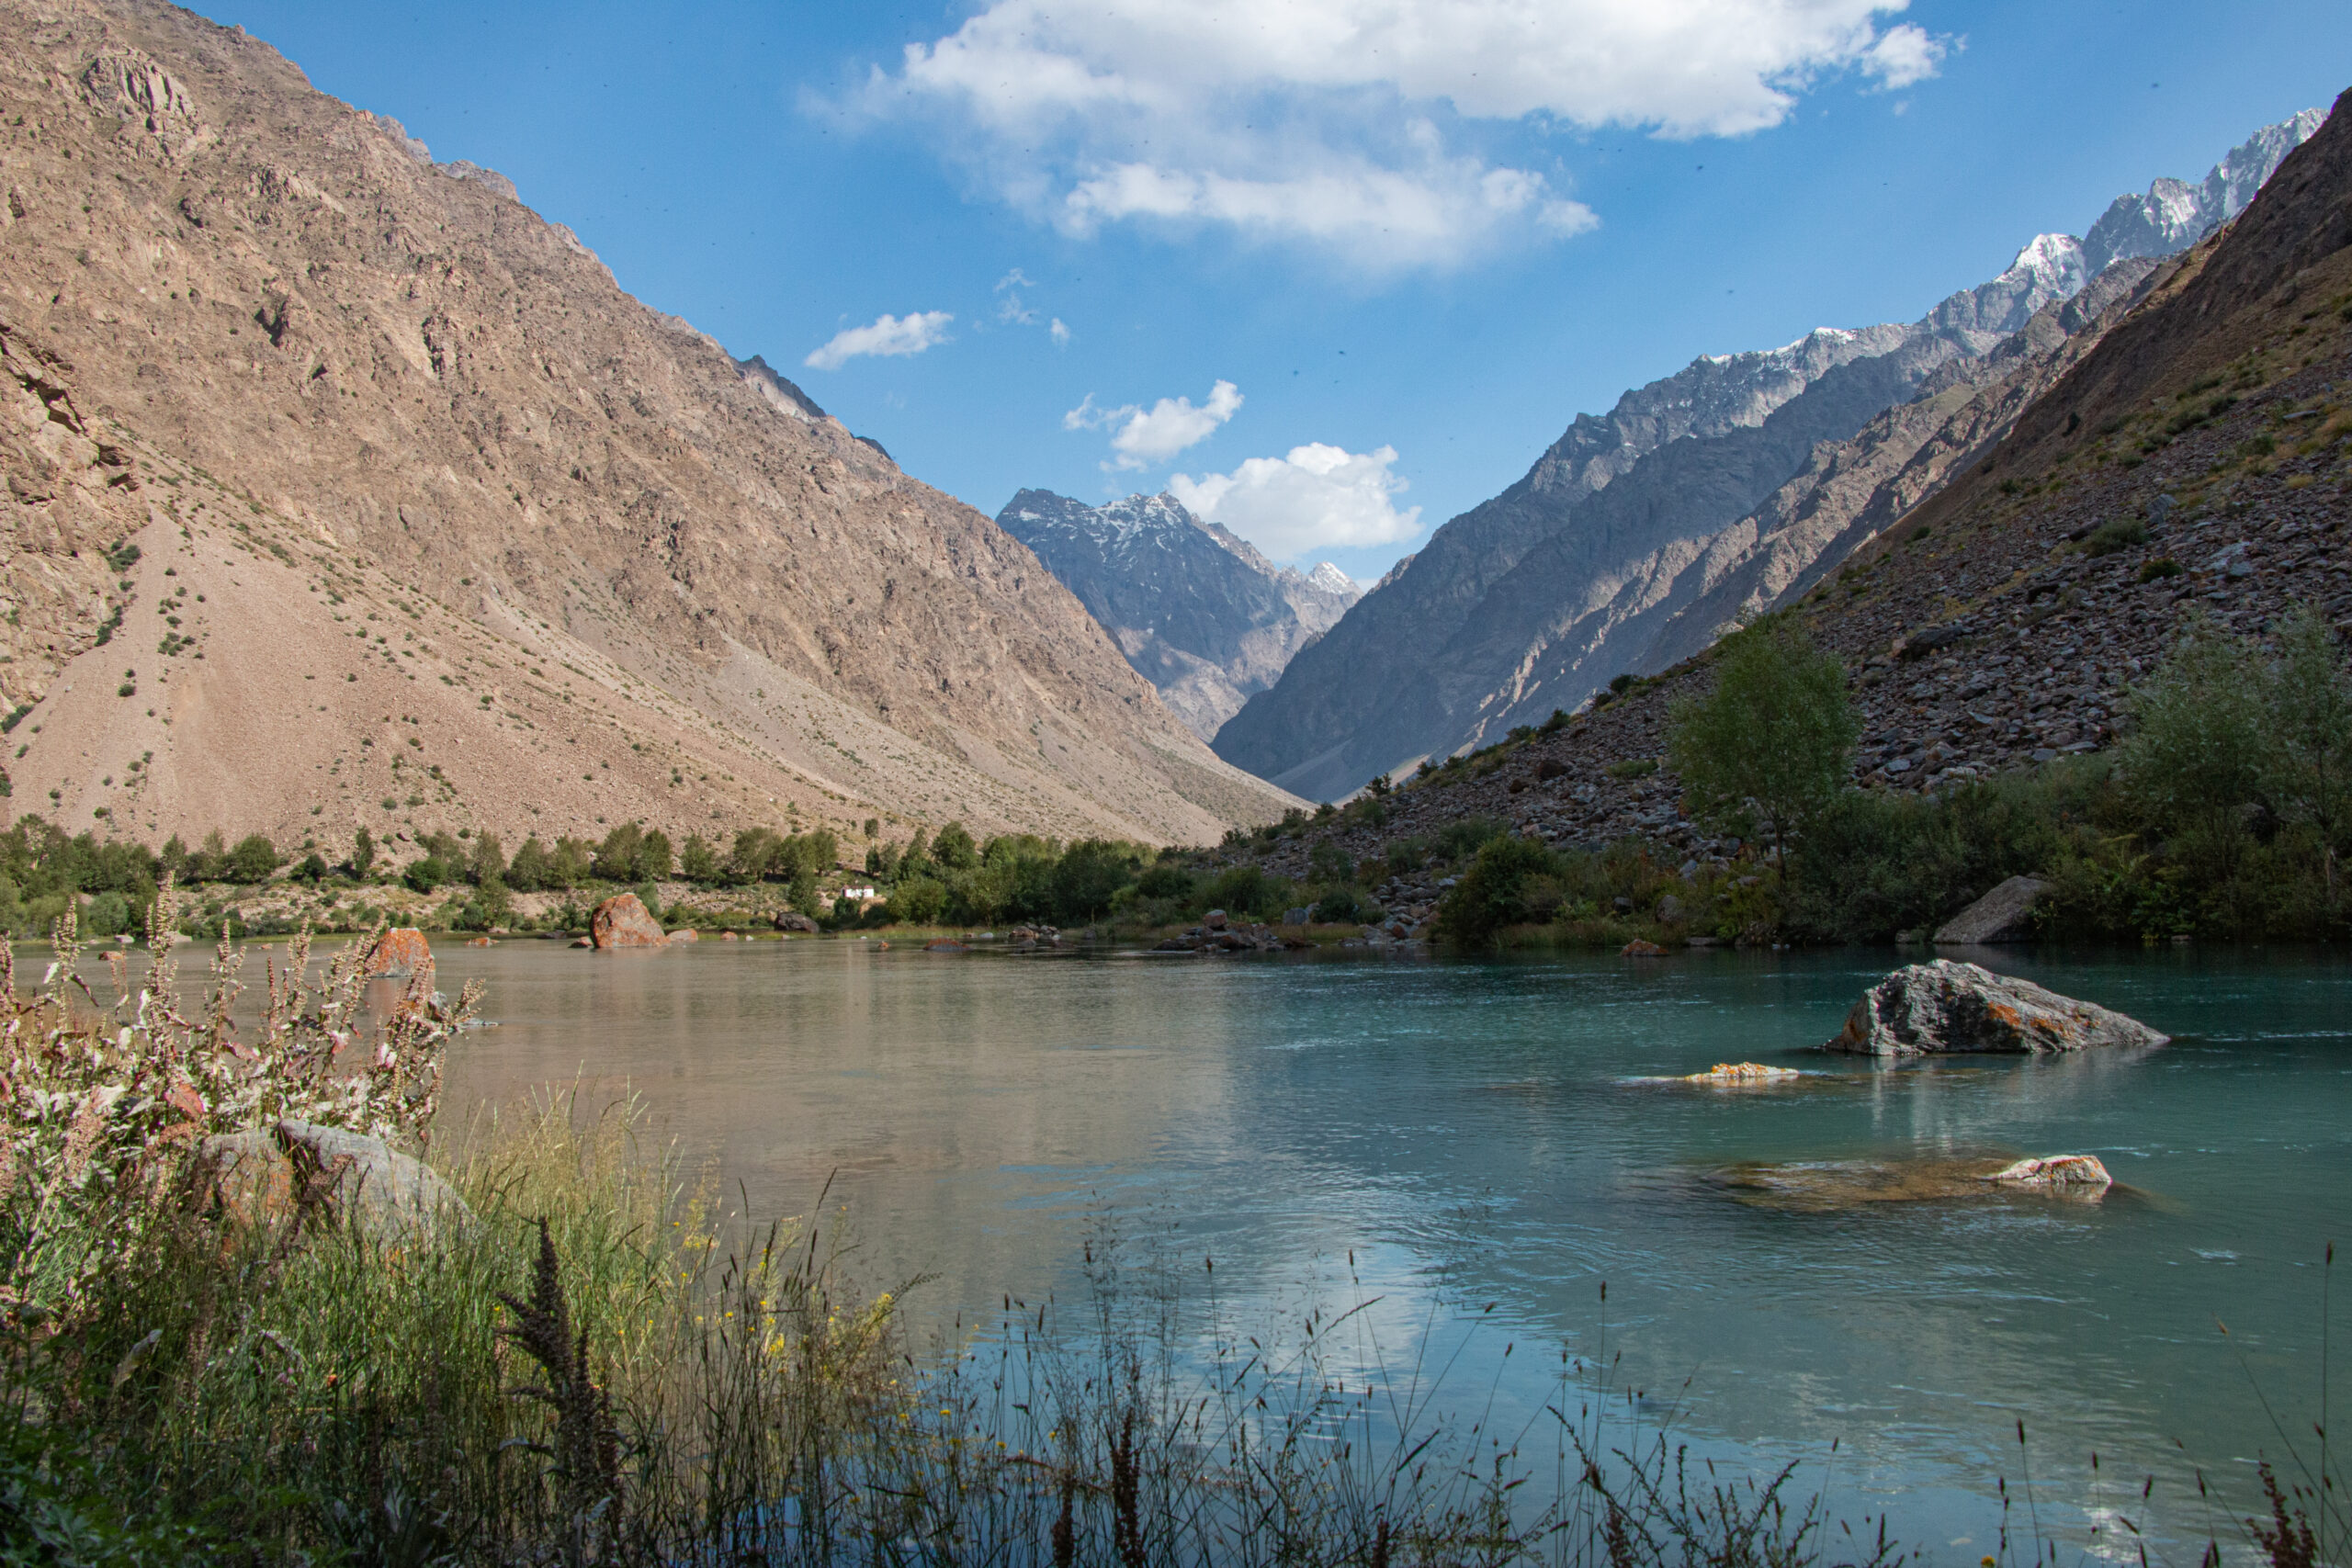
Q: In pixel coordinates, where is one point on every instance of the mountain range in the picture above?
(1199, 613)
(341, 489)
(1711, 494)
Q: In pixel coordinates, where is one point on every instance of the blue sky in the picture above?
(1381, 253)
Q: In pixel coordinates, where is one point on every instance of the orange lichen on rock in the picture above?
(622, 922)
(401, 951)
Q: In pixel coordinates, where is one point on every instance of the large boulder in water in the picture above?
(2006, 914)
(401, 951)
(1931, 1009)
(622, 922)
(262, 1176)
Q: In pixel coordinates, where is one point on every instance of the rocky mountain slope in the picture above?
(2209, 435)
(1641, 519)
(343, 488)
(1202, 615)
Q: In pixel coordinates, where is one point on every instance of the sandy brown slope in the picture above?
(261, 335)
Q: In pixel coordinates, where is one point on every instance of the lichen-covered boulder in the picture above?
(262, 1176)
(622, 922)
(401, 951)
(1943, 1006)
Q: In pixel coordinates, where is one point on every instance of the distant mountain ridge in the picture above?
(1534, 599)
(1198, 613)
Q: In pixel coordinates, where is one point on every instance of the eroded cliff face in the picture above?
(1199, 613)
(394, 450)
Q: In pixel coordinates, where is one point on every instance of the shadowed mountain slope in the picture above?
(1530, 601)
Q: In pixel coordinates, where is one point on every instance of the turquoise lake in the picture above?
(1460, 1144)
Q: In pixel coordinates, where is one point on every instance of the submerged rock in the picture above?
(1827, 1187)
(2055, 1170)
(2006, 914)
(265, 1174)
(1743, 1072)
(622, 922)
(1943, 1006)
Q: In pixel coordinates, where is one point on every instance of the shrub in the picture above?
(1461, 839)
(1167, 880)
(1243, 890)
(425, 874)
(2121, 533)
(2158, 568)
(1633, 768)
(1493, 893)
(917, 901)
(254, 859)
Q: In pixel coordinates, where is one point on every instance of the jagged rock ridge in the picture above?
(1530, 601)
(1199, 613)
(437, 527)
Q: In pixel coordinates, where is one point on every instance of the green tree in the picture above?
(918, 900)
(1089, 874)
(532, 868)
(953, 849)
(655, 859)
(208, 862)
(424, 873)
(1773, 742)
(254, 859)
(363, 852)
(915, 860)
(616, 856)
(753, 855)
(2195, 762)
(569, 866)
(697, 862)
(2308, 766)
(489, 862)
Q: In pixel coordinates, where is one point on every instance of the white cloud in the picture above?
(1316, 497)
(1315, 121)
(909, 333)
(1143, 436)
(1011, 307)
(1059, 332)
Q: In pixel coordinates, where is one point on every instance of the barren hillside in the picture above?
(428, 512)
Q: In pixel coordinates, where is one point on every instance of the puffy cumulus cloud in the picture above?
(1315, 497)
(1143, 437)
(1059, 332)
(909, 333)
(1313, 121)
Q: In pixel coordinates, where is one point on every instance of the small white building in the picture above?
(861, 893)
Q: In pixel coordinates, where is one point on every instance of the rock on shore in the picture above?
(362, 1181)
(2006, 914)
(1943, 1006)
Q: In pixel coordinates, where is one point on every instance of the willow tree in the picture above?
(1773, 744)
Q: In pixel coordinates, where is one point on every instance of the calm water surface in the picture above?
(1444, 1137)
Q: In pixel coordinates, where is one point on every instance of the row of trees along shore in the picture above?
(949, 878)
(2222, 814)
